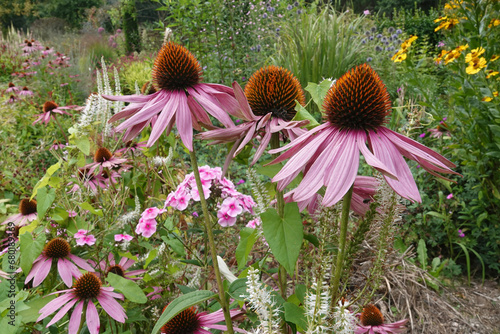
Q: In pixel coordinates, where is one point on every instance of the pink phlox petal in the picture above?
(225, 219)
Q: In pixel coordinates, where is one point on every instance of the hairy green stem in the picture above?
(344, 219)
(213, 251)
(280, 205)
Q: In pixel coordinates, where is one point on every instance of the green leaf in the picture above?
(151, 257)
(284, 235)
(422, 253)
(87, 206)
(44, 200)
(45, 180)
(295, 314)
(176, 246)
(30, 250)
(32, 314)
(318, 92)
(180, 304)
(303, 114)
(129, 288)
(83, 144)
(248, 236)
(238, 288)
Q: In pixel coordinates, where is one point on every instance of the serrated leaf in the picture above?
(248, 236)
(129, 288)
(44, 200)
(180, 304)
(30, 250)
(284, 235)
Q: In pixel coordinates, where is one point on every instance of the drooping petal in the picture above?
(388, 153)
(36, 265)
(370, 158)
(112, 307)
(262, 147)
(184, 123)
(80, 262)
(93, 323)
(63, 267)
(62, 312)
(246, 111)
(342, 174)
(42, 271)
(53, 305)
(212, 108)
(131, 98)
(76, 318)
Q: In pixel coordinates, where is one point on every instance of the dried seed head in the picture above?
(87, 286)
(274, 89)
(358, 100)
(371, 316)
(175, 68)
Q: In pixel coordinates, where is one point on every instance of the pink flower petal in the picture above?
(42, 272)
(184, 124)
(165, 118)
(92, 317)
(112, 307)
(62, 312)
(76, 318)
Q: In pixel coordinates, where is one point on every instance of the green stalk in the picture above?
(213, 252)
(280, 205)
(346, 204)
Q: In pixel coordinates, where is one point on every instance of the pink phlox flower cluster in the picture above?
(233, 203)
(147, 223)
(82, 238)
(253, 223)
(121, 237)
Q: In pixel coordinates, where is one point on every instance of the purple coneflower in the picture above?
(180, 99)
(189, 321)
(25, 92)
(30, 47)
(86, 288)
(120, 268)
(103, 158)
(372, 321)
(356, 107)
(267, 106)
(89, 180)
(27, 213)
(440, 130)
(50, 108)
(57, 249)
(132, 146)
(12, 88)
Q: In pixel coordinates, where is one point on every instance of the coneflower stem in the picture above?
(213, 251)
(280, 205)
(60, 127)
(344, 219)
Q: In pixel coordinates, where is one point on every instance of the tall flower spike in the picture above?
(267, 106)
(356, 107)
(180, 98)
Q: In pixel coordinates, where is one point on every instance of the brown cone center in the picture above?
(185, 322)
(87, 286)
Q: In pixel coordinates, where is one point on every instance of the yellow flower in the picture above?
(494, 57)
(475, 65)
(400, 58)
(491, 73)
(461, 48)
(441, 18)
(453, 4)
(474, 54)
(487, 99)
(495, 94)
(451, 56)
(406, 44)
(440, 57)
(446, 24)
(494, 23)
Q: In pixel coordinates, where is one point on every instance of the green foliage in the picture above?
(130, 26)
(136, 72)
(73, 11)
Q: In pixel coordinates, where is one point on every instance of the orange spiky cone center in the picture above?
(371, 316)
(49, 106)
(175, 68)
(148, 88)
(27, 207)
(102, 155)
(87, 286)
(273, 89)
(185, 322)
(358, 100)
(57, 248)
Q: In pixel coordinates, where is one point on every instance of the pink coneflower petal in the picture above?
(81, 263)
(42, 272)
(62, 312)
(165, 118)
(184, 123)
(371, 159)
(112, 307)
(92, 318)
(53, 305)
(132, 98)
(65, 271)
(76, 318)
(210, 106)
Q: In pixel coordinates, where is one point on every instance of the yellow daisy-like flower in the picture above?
(446, 23)
(494, 23)
(400, 58)
(474, 54)
(451, 56)
(406, 44)
(495, 94)
(494, 57)
(439, 58)
(486, 99)
(491, 73)
(462, 47)
(475, 65)
(453, 4)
